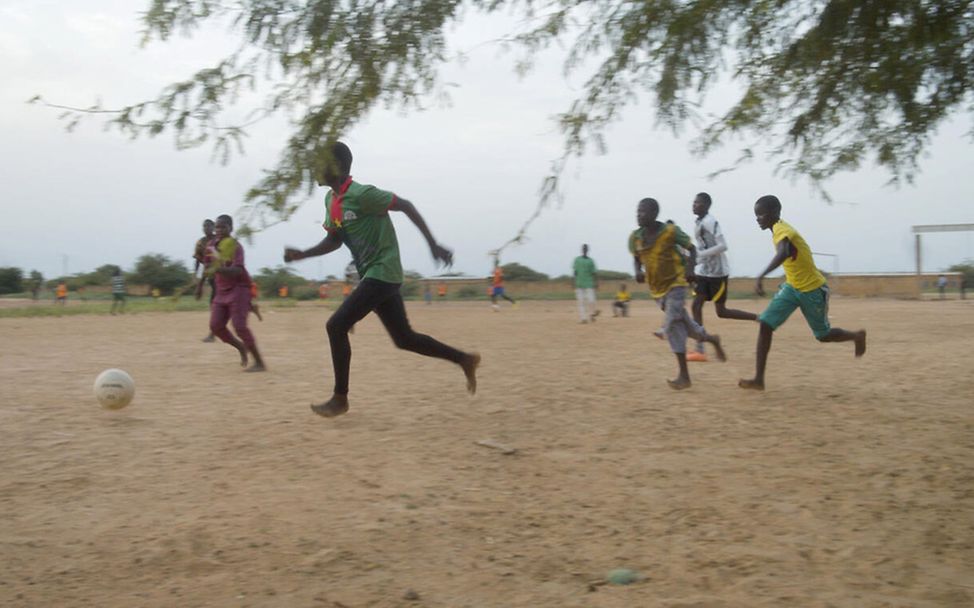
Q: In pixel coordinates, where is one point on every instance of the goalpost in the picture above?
(918, 231)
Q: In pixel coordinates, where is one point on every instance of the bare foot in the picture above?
(679, 384)
(209, 338)
(336, 406)
(860, 342)
(659, 333)
(753, 385)
(718, 350)
(470, 364)
(256, 367)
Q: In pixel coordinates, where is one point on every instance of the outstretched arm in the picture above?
(691, 263)
(328, 244)
(440, 253)
(780, 255)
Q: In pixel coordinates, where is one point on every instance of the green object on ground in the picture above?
(622, 576)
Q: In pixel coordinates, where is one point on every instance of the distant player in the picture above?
(804, 288)
(118, 291)
(497, 286)
(620, 308)
(358, 216)
(655, 247)
(61, 293)
(199, 257)
(586, 282)
(712, 270)
(225, 262)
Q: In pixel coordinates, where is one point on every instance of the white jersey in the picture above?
(711, 259)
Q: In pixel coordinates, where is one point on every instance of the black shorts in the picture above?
(712, 289)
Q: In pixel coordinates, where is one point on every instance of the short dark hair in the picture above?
(227, 218)
(705, 198)
(343, 156)
(650, 201)
(771, 202)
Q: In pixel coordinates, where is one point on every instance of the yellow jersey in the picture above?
(661, 257)
(800, 270)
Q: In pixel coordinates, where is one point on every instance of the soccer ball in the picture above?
(114, 389)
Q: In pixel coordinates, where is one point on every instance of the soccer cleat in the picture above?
(697, 357)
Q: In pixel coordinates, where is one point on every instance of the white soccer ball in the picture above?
(114, 389)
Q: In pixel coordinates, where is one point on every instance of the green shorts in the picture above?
(814, 305)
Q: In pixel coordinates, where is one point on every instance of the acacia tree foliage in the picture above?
(822, 86)
(158, 271)
(519, 272)
(11, 280)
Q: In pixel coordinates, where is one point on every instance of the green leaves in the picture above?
(821, 87)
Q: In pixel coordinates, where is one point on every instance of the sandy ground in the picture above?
(848, 483)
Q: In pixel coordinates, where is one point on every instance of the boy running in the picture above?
(712, 270)
(804, 288)
(358, 216)
(655, 246)
(497, 287)
(224, 262)
(199, 258)
(118, 291)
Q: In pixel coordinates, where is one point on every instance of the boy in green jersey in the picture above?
(358, 216)
(586, 281)
(804, 288)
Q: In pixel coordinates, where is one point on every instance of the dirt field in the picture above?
(849, 483)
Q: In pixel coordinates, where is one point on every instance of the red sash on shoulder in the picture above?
(336, 203)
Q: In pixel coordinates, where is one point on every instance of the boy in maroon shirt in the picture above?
(225, 263)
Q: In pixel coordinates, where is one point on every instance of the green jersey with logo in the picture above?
(367, 230)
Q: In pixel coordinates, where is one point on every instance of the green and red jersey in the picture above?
(360, 215)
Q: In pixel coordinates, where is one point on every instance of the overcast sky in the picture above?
(473, 167)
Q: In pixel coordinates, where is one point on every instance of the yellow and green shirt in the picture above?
(661, 257)
(800, 270)
(364, 224)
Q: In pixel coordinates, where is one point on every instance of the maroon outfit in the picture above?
(232, 299)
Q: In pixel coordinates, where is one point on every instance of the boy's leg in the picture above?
(720, 305)
(785, 301)
(815, 309)
(765, 334)
(239, 310)
(219, 316)
(363, 299)
(732, 313)
(702, 293)
(698, 333)
(675, 328)
(593, 303)
(392, 312)
(580, 299)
